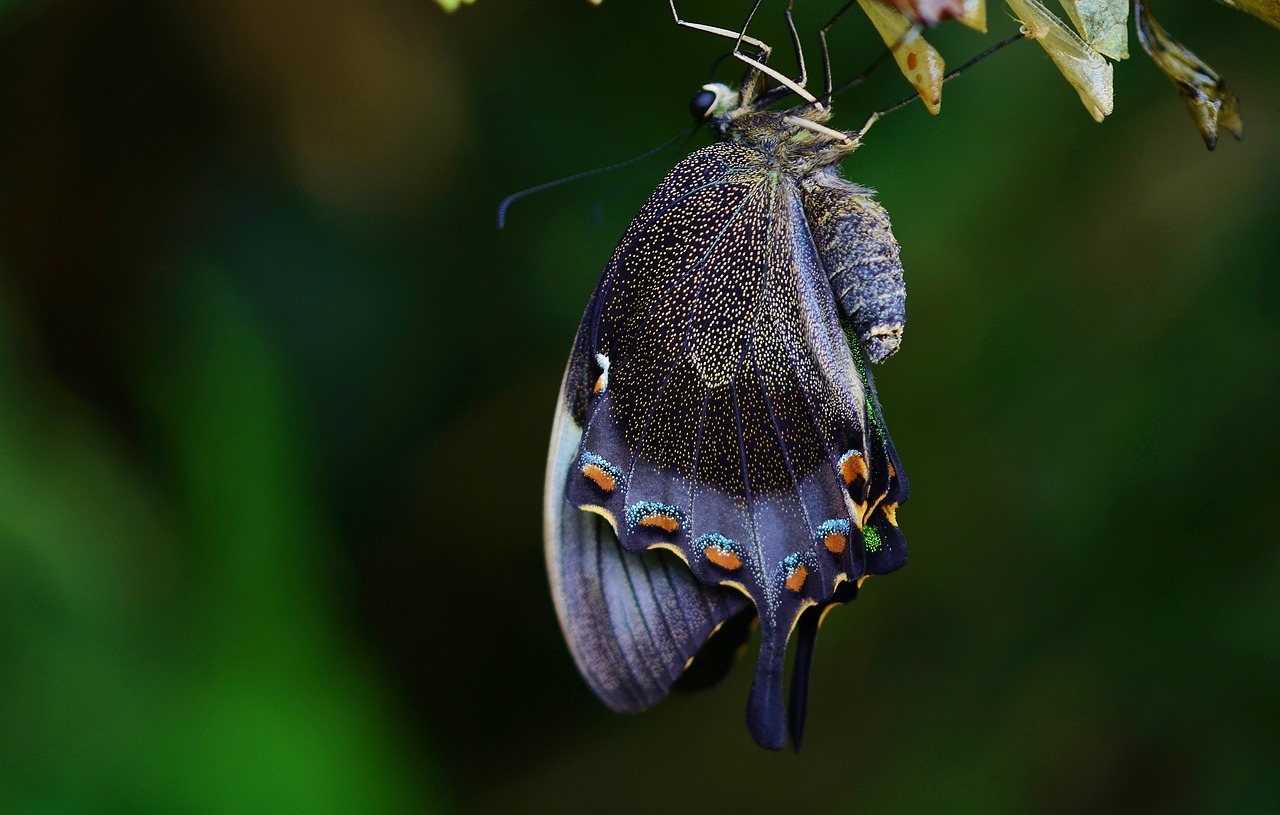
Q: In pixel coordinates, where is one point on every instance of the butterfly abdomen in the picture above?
(856, 244)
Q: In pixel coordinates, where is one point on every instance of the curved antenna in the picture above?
(597, 206)
(516, 196)
(711, 74)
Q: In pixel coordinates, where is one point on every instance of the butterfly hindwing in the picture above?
(633, 621)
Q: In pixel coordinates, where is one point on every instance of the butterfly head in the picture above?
(796, 139)
(714, 101)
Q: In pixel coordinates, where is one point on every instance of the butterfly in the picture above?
(718, 453)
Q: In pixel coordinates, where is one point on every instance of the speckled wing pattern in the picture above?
(716, 406)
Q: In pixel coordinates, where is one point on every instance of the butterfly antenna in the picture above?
(622, 165)
(711, 74)
(902, 103)
(597, 206)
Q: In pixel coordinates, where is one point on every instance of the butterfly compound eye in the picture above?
(701, 103)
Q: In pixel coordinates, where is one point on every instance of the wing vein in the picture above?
(638, 562)
(746, 485)
(782, 445)
(596, 524)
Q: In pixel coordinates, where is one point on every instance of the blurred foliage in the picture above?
(274, 401)
(453, 5)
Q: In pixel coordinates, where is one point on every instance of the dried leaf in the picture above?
(1209, 101)
(1087, 71)
(1266, 10)
(1104, 24)
(919, 61)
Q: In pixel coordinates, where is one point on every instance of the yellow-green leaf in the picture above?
(1209, 101)
(1087, 71)
(1104, 24)
(919, 61)
(1265, 10)
(452, 5)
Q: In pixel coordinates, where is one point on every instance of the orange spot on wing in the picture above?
(664, 522)
(796, 581)
(835, 542)
(600, 477)
(599, 386)
(893, 471)
(723, 558)
(852, 468)
(912, 60)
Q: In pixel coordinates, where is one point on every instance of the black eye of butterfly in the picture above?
(701, 103)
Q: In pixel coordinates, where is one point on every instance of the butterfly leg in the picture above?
(826, 54)
(827, 77)
(739, 37)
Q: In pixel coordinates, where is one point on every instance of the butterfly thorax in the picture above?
(795, 142)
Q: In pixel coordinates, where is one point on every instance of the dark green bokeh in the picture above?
(275, 396)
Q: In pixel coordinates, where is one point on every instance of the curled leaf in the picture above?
(1087, 71)
(1104, 24)
(919, 61)
(1266, 10)
(1209, 101)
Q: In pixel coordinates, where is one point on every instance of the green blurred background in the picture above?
(275, 396)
